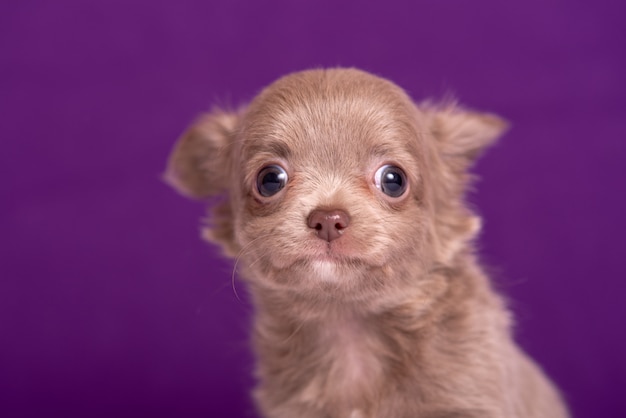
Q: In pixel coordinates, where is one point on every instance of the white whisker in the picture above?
(241, 253)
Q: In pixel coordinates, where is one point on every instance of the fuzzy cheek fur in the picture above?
(343, 204)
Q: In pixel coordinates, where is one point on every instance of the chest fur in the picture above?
(350, 366)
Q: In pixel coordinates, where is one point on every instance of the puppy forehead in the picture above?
(337, 119)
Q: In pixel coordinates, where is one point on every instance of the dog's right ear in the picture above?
(199, 163)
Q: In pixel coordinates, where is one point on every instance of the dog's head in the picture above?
(336, 180)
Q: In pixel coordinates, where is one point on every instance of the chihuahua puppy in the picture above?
(344, 206)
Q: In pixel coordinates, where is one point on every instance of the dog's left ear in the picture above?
(464, 134)
(460, 137)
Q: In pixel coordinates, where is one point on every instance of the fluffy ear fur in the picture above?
(463, 133)
(460, 137)
(198, 164)
(200, 167)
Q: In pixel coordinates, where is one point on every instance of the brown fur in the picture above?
(395, 319)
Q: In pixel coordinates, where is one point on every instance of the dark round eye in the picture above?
(271, 180)
(391, 180)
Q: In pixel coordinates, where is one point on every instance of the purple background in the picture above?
(111, 306)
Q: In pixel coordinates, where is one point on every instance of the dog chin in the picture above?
(327, 270)
(334, 269)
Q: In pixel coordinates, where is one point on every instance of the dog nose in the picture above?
(328, 224)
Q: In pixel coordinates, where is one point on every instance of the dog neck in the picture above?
(339, 354)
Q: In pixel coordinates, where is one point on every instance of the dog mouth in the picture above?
(332, 252)
(340, 256)
(315, 253)
(323, 263)
(327, 251)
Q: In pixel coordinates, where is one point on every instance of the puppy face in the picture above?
(338, 185)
